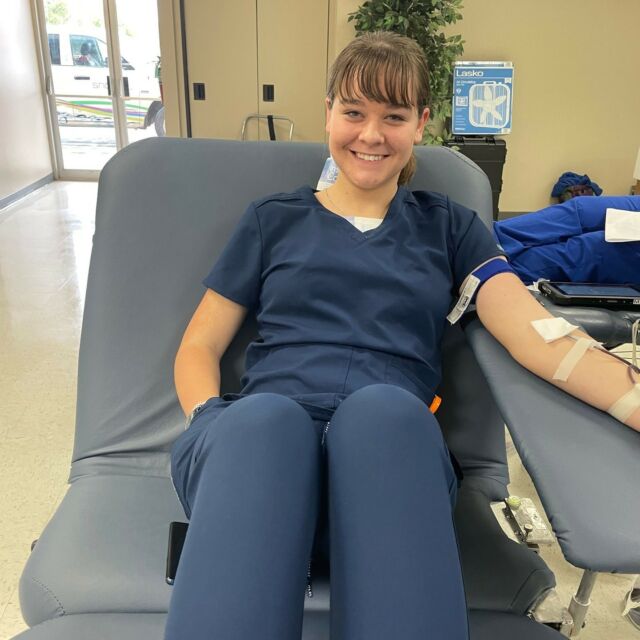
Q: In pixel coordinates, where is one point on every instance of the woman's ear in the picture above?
(421, 124)
(328, 105)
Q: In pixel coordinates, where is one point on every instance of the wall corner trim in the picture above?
(25, 191)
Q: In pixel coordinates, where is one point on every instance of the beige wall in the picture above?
(576, 90)
(24, 146)
(235, 49)
(203, 47)
(222, 53)
(294, 59)
(340, 30)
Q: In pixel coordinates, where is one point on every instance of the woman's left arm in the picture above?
(506, 308)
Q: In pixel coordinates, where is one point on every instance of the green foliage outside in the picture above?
(57, 13)
(422, 20)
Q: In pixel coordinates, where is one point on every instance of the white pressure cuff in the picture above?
(551, 329)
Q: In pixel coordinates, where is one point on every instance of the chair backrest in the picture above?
(165, 210)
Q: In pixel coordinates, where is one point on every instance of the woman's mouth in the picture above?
(368, 157)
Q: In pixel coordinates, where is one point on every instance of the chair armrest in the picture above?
(608, 326)
(584, 463)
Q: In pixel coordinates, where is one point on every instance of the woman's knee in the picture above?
(262, 416)
(384, 409)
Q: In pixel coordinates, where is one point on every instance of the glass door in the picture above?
(95, 94)
(139, 42)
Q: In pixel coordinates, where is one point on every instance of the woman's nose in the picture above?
(371, 132)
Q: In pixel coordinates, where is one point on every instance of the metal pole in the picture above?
(580, 603)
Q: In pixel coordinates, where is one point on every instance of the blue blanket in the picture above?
(565, 243)
(570, 179)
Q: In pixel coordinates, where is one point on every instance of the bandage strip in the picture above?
(569, 362)
(551, 329)
(625, 406)
(472, 284)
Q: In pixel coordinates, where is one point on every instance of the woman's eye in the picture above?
(352, 114)
(397, 118)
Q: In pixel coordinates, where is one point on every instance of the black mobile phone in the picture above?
(177, 534)
(588, 294)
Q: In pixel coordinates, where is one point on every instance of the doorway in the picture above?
(102, 70)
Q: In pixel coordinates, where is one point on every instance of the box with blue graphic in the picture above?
(482, 98)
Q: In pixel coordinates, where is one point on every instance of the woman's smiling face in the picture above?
(372, 141)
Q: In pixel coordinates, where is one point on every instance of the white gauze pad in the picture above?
(553, 328)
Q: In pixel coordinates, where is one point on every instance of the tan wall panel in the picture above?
(24, 145)
(292, 55)
(576, 91)
(221, 51)
(341, 32)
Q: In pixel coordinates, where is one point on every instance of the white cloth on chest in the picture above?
(364, 224)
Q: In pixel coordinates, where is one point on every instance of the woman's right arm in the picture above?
(210, 331)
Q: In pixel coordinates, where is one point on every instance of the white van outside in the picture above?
(80, 70)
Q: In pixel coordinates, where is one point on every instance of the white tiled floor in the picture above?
(45, 244)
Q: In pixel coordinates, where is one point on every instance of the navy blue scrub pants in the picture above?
(250, 474)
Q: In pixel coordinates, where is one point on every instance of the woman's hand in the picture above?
(506, 308)
(210, 331)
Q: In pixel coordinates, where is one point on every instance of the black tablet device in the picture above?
(587, 294)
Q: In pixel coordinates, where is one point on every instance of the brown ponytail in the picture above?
(408, 171)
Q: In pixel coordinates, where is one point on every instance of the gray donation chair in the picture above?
(584, 463)
(165, 209)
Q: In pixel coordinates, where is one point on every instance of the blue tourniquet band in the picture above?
(488, 270)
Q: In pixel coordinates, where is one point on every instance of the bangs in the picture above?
(383, 77)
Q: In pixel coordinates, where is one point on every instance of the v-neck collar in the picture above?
(357, 235)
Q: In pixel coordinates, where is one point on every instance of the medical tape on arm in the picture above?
(472, 283)
(569, 362)
(552, 329)
(622, 408)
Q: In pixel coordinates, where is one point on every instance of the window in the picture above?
(54, 48)
(87, 51)
(102, 48)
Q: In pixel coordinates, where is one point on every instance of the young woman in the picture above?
(350, 315)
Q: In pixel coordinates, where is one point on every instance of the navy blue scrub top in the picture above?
(338, 309)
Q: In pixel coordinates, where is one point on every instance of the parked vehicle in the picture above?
(82, 83)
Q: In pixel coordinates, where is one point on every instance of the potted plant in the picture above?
(423, 21)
